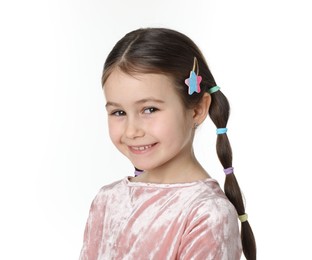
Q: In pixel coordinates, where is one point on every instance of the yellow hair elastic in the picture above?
(243, 217)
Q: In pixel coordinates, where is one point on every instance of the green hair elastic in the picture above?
(213, 89)
(243, 218)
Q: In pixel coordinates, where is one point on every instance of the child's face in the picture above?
(147, 121)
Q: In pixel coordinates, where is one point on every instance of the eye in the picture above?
(150, 110)
(118, 113)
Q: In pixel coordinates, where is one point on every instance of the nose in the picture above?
(134, 128)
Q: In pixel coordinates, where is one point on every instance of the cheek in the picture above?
(168, 128)
(179, 128)
(114, 132)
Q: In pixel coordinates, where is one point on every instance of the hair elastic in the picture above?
(137, 172)
(228, 170)
(213, 89)
(221, 131)
(243, 218)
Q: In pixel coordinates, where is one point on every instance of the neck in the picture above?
(187, 169)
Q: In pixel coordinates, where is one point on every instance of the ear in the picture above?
(201, 109)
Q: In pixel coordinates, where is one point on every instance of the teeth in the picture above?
(141, 148)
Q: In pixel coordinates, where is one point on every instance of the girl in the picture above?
(158, 89)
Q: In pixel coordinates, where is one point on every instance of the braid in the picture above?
(219, 112)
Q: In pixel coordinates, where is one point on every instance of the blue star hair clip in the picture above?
(194, 80)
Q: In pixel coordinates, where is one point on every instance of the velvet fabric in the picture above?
(136, 220)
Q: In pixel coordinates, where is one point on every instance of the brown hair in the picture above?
(165, 51)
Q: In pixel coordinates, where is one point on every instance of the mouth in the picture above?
(141, 148)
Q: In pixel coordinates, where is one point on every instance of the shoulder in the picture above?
(214, 217)
(107, 191)
(212, 205)
(211, 230)
(111, 187)
(214, 210)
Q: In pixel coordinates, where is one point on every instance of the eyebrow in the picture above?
(141, 101)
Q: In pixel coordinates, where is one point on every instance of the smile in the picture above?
(141, 148)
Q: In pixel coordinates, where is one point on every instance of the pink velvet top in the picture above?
(135, 220)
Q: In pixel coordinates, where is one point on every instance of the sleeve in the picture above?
(93, 230)
(212, 233)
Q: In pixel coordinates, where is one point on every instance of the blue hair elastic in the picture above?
(221, 131)
(213, 89)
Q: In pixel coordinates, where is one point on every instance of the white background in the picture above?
(55, 152)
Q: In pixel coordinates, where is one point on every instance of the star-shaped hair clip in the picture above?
(194, 80)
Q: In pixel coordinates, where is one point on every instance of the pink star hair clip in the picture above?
(194, 80)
